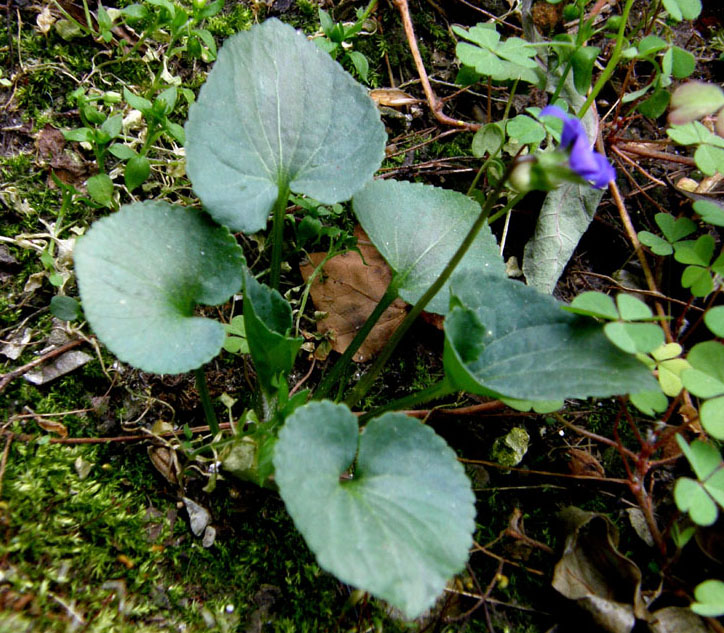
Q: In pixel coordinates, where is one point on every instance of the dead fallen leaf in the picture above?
(62, 365)
(392, 97)
(52, 426)
(582, 463)
(676, 620)
(638, 523)
(50, 142)
(348, 290)
(592, 571)
(45, 20)
(199, 517)
(165, 462)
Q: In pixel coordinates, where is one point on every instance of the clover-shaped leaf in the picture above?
(429, 225)
(673, 230)
(711, 212)
(700, 497)
(714, 319)
(503, 338)
(706, 380)
(389, 511)
(512, 58)
(277, 113)
(709, 597)
(630, 337)
(141, 272)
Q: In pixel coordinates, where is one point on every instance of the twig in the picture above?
(487, 552)
(634, 239)
(475, 409)
(72, 441)
(6, 379)
(636, 166)
(482, 462)
(633, 148)
(303, 379)
(3, 462)
(433, 102)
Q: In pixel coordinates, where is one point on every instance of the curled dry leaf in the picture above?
(392, 97)
(592, 571)
(52, 426)
(164, 460)
(583, 464)
(348, 290)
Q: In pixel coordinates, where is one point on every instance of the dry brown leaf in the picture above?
(348, 291)
(596, 575)
(392, 97)
(52, 426)
(584, 464)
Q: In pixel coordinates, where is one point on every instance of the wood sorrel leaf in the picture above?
(277, 112)
(400, 526)
(417, 229)
(140, 273)
(505, 338)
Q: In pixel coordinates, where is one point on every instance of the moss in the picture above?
(238, 18)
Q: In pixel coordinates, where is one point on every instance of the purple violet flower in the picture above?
(587, 163)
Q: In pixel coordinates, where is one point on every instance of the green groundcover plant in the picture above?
(380, 498)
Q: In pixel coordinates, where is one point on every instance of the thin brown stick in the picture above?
(475, 409)
(633, 148)
(3, 462)
(544, 473)
(634, 239)
(433, 102)
(487, 552)
(636, 166)
(6, 379)
(73, 441)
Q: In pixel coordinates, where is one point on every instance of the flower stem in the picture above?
(280, 208)
(364, 385)
(436, 391)
(612, 62)
(341, 365)
(206, 400)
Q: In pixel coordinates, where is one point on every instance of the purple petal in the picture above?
(572, 127)
(606, 172)
(552, 110)
(590, 165)
(572, 131)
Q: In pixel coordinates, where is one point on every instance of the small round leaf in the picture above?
(714, 319)
(401, 526)
(140, 273)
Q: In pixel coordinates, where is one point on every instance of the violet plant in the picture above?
(381, 500)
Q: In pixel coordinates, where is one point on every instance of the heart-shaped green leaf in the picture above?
(699, 498)
(710, 212)
(400, 525)
(417, 229)
(505, 338)
(634, 337)
(691, 497)
(267, 324)
(140, 273)
(709, 599)
(714, 319)
(276, 113)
